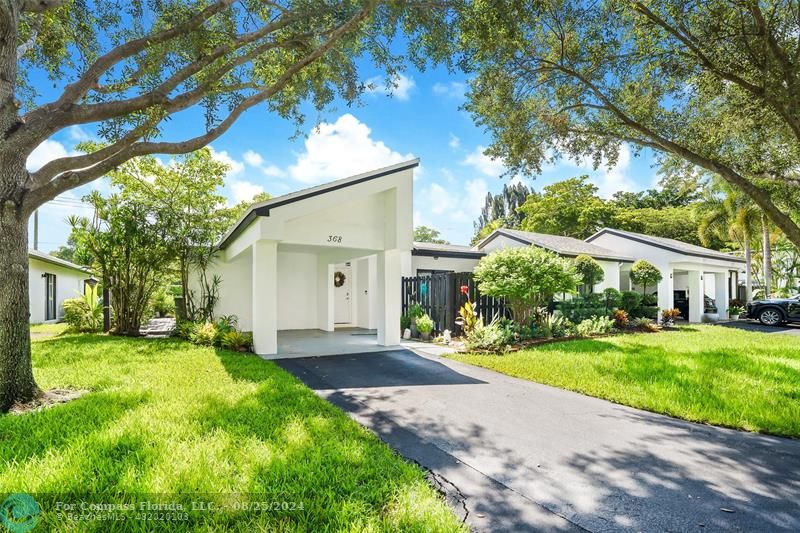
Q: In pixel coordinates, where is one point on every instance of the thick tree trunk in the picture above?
(767, 256)
(16, 372)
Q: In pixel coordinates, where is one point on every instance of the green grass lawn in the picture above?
(710, 374)
(184, 423)
(50, 329)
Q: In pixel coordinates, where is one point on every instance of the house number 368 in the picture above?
(335, 238)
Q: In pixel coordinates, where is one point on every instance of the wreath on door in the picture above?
(338, 279)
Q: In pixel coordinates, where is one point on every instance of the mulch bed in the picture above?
(47, 399)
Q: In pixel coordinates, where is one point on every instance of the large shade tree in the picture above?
(713, 83)
(128, 67)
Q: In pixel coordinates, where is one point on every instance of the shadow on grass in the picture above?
(35, 434)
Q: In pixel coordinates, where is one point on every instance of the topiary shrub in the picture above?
(645, 274)
(590, 272)
(611, 298)
(630, 300)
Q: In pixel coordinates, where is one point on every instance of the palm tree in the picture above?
(729, 215)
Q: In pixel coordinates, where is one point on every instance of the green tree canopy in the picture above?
(715, 84)
(527, 277)
(426, 234)
(570, 207)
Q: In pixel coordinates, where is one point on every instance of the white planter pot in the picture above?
(707, 318)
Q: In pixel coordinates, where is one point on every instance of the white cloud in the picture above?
(235, 167)
(244, 190)
(454, 142)
(46, 152)
(341, 149)
(483, 163)
(253, 159)
(78, 134)
(453, 89)
(400, 86)
(440, 200)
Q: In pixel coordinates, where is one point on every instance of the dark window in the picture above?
(50, 297)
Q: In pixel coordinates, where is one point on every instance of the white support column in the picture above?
(696, 296)
(721, 293)
(325, 299)
(265, 297)
(666, 296)
(388, 297)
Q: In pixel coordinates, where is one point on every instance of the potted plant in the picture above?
(736, 311)
(414, 312)
(425, 326)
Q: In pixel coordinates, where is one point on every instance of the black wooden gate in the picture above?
(441, 296)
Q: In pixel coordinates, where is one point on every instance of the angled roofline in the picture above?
(431, 250)
(493, 235)
(57, 261)
(262, 209)
(719, 256)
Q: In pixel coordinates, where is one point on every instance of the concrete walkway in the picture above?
(516, 455)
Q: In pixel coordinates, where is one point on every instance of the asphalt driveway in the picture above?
(516, 455)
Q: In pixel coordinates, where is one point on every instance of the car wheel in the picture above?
(770, 317)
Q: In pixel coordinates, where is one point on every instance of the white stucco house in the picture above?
(332, 256)
(51, 281)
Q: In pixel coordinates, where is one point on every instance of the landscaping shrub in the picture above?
(527, 277)
(620, 319)
(668, 316)
(598, 325)
(238, 341)
(204, 334)
(494, 336)
(405, 322)
(611, 299)
(579, 309)
(630, 300)
(645, 324)
(225, 324)
(186, 328)
(649, 300)
(425, 324)
(84, 314)
(643, 311)
(551, 325)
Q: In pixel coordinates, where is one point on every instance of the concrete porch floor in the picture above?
(315, 342)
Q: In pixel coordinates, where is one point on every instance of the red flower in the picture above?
(465, 290)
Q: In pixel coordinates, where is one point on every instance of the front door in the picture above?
(342, 283)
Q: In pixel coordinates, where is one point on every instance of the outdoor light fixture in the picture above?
(91, 282)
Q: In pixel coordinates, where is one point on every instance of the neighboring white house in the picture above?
(333, 256)
(52, 280)
(688, 270)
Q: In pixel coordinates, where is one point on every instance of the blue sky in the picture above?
(420, 119)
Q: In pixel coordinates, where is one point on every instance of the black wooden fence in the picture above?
(441, 296)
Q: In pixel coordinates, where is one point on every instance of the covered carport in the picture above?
(282, 264)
